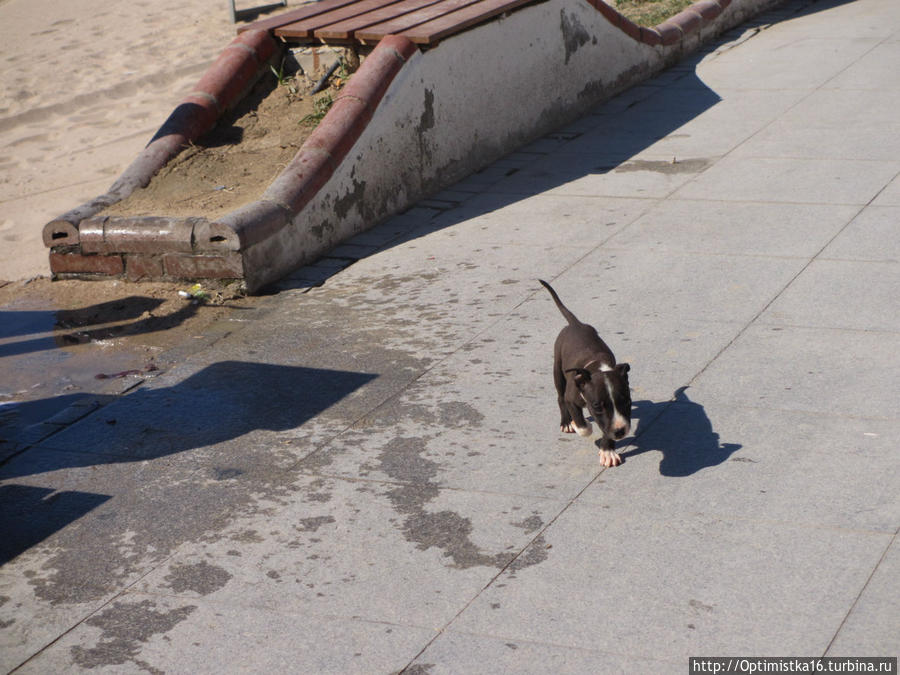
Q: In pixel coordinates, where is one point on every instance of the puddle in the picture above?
(64, 342)
(49, 360)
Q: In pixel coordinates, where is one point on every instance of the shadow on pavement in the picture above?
(682, 432)
(31, 514)
(220, 403)
(87, 324)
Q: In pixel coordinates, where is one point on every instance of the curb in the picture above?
(220, 88)
(84, 245)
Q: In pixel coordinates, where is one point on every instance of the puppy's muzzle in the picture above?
(620, 430)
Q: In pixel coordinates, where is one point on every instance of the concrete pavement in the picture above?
(367, 475)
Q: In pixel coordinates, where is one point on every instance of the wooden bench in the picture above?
(365, 22)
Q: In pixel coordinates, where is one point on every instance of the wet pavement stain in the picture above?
(672, 166)
(402, 459)
(125, 627)
(201, 578)
(313, 524)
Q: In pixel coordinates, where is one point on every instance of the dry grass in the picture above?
(649, 12)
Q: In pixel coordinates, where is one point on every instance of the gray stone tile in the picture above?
(843, 21)
(628, 287)
(211, 409)
(403, 552)
(868, 237)
(817, 370)
(873, 70)
(890, 195)
(455, 652)
(141, 633)
(819, 181)
(873, 626)
(701, 456)
(739, 228)
(813, 61)
(28, 625)
(686, 120)
(817, 127)
(705, 583)
(611, 174)
(841, 294)
(538, 221)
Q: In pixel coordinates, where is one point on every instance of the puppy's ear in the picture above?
(581, 377)
(623, 369)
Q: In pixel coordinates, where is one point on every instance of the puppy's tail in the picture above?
(571, 318)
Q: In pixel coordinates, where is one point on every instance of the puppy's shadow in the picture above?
(682, 431)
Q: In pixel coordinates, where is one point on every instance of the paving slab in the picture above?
(793, 180)
(798, 471)
(890, 194)
(457, 651)
(871, 625)
(866, 287)
(803, 131)
(791, 368)
(635, 582)
(700, 226)
(140, 632)
(863, 238)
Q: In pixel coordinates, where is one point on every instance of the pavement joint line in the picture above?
(800, 411)
(833, 329)
(311, 473)
(563, 645)
(861, 591)
(100, 607)
(812, 258)
(502, 571)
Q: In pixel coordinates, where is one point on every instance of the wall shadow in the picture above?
(682, 431)
(222, 402)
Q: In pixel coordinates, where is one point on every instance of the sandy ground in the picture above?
(84, 84)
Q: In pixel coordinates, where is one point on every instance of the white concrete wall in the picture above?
(457, 107)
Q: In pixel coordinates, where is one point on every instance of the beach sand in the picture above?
(84, 85)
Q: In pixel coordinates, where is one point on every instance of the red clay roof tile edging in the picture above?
(317, 159)
(220, 87)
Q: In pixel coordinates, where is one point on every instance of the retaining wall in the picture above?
(407, 124)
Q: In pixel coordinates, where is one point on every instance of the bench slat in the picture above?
(431, 32)
(312, 9)
(345, 30)
(305, 28)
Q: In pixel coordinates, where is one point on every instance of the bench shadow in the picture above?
(682, 432)
(212, 419)
(31, 514)
(220, 403)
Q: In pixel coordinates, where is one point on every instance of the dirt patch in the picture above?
(79, 343)
(235, 163)
(148, 317)
(650, 12)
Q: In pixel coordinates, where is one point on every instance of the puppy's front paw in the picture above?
(610, 458)
(572, 428)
